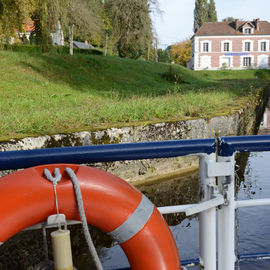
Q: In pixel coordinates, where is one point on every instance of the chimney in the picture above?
(257, 24)
(236, 24)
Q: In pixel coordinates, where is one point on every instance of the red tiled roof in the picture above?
(29, 26)
(228, 28)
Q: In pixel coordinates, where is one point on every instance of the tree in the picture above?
(84, 19)
(228, 19)
(46, 14)
(80, 18)
(181, 52)
(212, 13)
(132, 27)
(13, 15)
(164, 55)
(200, 13)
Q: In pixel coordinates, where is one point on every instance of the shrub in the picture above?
(95, 51)
(263, 74)
(173, 75)
(30, 48)
(24, 48)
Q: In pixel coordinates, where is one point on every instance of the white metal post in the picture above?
(226, 220)
(207, 219)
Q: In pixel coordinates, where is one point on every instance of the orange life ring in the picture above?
(111, 204)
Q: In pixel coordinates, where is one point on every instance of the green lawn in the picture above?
(46, 94)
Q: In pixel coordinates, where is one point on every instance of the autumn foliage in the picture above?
(181, 52)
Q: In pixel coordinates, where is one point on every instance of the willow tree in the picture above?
(13, 15)
(84, 19)
(132, 27)
(46, 14)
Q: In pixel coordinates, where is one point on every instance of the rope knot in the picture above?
(57, 175)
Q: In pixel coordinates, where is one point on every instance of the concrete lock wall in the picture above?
(240, 122)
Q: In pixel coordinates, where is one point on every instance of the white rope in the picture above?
(45, 244)
(87, 235)
(57, 177)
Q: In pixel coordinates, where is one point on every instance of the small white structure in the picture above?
(58, 35)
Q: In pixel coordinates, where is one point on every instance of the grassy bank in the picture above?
(45, 94)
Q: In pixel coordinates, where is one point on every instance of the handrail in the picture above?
(229, 145)
(216, 178)
(104, 153)
(132, 151)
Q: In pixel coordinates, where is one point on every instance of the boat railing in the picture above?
(217, 204)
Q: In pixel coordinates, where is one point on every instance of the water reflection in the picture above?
(265, 124)
(254, 222)
(183, 190)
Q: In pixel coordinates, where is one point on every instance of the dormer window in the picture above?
(248, 28)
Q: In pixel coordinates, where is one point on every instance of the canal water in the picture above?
(253, 223)
(24, 251)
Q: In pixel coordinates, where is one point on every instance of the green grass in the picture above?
(46, 94)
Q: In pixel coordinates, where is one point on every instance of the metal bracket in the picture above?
(215, 169)
(197, 208)
(213, 190)
(56, 220)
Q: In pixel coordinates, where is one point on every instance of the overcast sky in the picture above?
(176, 22)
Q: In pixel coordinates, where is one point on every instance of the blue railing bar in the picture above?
(105, 153)
(242, 257)
(190, 262)
(254, 256)
(229, 145)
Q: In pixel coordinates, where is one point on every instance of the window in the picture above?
(247, 30)
(205, 47)
(263, 46)
(246, 61)
(226, 47)
(247, 46)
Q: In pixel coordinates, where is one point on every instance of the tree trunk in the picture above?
(70, 29)
(44, 28)
(106, 44)
(156, 50)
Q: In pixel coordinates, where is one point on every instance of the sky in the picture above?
(176, 22)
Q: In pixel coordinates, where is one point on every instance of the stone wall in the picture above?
(243, 121)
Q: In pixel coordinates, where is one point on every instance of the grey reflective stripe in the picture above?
(1, 243)
(134, 223)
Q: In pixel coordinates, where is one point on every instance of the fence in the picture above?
(216, 179)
